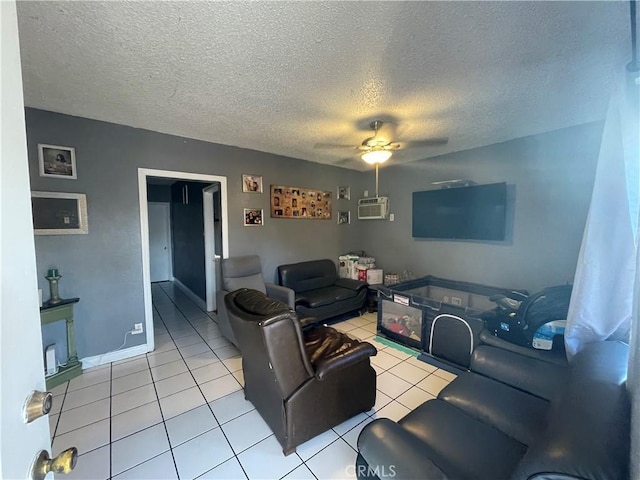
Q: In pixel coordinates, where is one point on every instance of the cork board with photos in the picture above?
(300, 203)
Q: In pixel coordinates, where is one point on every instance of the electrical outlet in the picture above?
(137, 329)
(366, 193)
(392, 217)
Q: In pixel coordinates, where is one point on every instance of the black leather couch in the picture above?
(301, 383)
(319, 292)
(515, 417)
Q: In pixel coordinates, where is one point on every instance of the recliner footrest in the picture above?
(463, 447)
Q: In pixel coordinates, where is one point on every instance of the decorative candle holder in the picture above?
(53, 287)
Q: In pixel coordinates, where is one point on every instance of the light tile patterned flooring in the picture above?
(179, 412)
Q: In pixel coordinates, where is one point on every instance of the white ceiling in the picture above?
(281, 76)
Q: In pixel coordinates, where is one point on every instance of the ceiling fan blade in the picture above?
(332, 145)
(427, 142)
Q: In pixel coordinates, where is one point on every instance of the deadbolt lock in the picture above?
(37, 405)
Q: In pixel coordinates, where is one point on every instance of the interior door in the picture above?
(159, 242)
(21, 362)
(210, 244)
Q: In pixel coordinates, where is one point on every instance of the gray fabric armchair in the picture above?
(245, 272)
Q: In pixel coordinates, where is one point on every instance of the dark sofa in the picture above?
(520, 419)
(319, 292)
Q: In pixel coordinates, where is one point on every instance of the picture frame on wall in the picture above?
(58, 213)
(56, 161)
(251, 183)
(300, 203)
(253, 217)
(344, 218)
(344, 192)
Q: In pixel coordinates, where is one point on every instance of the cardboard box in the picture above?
(374, 276)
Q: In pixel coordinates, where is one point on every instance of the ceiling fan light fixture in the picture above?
(376, 155)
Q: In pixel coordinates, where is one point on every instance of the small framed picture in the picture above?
(344, 218)
(57, 162)
(57, 213)
(252, 183)
(253, 217)
(344, 192)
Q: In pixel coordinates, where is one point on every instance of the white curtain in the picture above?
(602, 300)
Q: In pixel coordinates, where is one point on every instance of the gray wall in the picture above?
(104, 268)
(552, 176)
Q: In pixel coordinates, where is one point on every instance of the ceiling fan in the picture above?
(378, 149)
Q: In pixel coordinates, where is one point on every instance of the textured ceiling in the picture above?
(281, 76)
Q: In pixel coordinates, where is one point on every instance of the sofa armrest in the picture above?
(284, 294)
(393, 452)
(350, 284)
(349, 357)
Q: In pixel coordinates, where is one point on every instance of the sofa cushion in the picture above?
(540, 378)
(324, 296)
(258, 304)
(305, 276)
(513, 412)
(463, 447)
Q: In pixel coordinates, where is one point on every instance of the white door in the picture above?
(210, 270)
(21, 363)
(159, 242)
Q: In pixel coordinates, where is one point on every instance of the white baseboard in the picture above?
(109, 357)
(195, 298)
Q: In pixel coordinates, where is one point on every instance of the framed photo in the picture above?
(252, 183)
(300, 203)
(344, 218)
(56, 213)
(57, 162)
(253, 217)
(344, 192)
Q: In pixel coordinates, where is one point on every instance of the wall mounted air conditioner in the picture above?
(375, 208)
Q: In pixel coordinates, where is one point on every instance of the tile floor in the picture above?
(179, 412)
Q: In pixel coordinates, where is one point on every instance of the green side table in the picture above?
(63, 310)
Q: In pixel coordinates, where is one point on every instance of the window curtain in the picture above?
(602, 300)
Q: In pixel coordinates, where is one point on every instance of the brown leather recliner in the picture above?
(302, 384)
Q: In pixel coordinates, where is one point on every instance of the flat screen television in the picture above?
(466, 213)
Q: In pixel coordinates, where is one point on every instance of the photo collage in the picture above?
(296, 202)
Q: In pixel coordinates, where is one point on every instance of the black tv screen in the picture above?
(470, 213)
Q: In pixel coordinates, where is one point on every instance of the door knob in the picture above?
(63, 463)
(37, 405)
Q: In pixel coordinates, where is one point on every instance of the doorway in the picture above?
(160, 263)
(221, 184)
